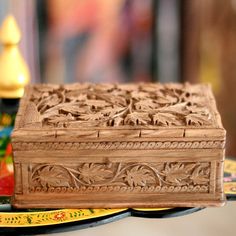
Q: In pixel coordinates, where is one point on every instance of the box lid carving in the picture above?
(144, 110)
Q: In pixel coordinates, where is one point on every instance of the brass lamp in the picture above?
(14, 72)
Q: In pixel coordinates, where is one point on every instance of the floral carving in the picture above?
(119, 105)
(178, 173)
(126, 176)
(137, 118)
(49, 176)
(92, 173)
(196, 119)
(199, 176)
(138, 176)
(165, 119)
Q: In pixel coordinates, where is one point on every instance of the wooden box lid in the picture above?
(142, 111)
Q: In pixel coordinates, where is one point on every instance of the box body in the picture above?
(136, 145)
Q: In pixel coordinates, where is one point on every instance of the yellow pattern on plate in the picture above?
(29, 219)
(230, 188)
(230, 166)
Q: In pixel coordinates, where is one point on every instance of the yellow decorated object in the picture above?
(53, 217)
(14, 72)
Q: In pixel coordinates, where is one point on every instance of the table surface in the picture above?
(208, 222)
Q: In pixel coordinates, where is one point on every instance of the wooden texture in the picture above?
(124, 145)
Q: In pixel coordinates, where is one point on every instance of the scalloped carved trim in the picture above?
(111, 189)
(118, 145)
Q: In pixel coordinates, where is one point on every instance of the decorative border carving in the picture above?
(152, 189)
(187, 177)
(130, 145)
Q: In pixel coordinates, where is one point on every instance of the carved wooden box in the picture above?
(126, 145)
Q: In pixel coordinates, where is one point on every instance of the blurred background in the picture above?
(130, 41)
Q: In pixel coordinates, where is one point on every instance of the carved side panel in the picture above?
(18, 178)
(180, 177)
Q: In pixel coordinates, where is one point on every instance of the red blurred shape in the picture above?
(7, 185)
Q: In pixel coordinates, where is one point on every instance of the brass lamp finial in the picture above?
(14, 72)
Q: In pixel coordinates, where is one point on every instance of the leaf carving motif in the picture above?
(199, 176)
(33, 114)
(199, 110)
(91, 173)
(196, 119)
(75, 96)
(125, 175)
(146, 105)
(165, 119)
(138, 176)
(96, 103)
(137, 95)
(53, 176)
(74, 109)
(118, 105)
(180, 109)
(166, 99)
(137, 118)
(176, 173)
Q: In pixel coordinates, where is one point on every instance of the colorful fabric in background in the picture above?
(6, 164)
(230, 177)
(95, 40)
